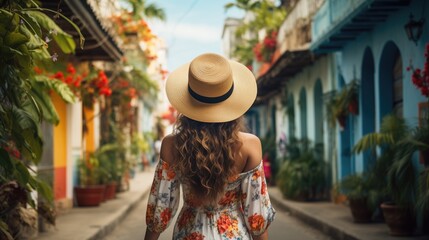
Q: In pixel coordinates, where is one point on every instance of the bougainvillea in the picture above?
(95, 85)
(88, 87)
(419, 77)
(264, 50)
(126, 26)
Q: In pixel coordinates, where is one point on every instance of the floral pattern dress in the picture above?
(244, 209)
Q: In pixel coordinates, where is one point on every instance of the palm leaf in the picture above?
(372, 140)
(423, 200)
(402, 175)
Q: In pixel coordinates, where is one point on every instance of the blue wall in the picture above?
(370, 56)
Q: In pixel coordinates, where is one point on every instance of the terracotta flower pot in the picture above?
(342, 121)
(360, 211)
(89, 196)
(354, 107)
(110, 192)
(400, 221)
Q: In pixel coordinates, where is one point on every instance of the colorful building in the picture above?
(324, 47)
(65, 143)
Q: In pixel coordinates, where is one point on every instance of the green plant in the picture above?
(107, 156)
(343, 103)
(267, 17)
(393, 174)
(302, 175)
(25, 36)
(244, 52)
(402, 173)
(356, 186)
(89, 171)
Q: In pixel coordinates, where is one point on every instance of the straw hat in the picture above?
(211, 89)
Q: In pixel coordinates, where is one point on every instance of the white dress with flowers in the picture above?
(244, 209)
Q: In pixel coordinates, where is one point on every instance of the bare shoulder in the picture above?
(252, 148)
(167, 147)
(249, 138)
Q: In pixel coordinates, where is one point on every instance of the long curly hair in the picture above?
(205, 154)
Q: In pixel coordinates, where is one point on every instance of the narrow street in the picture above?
(284, 227)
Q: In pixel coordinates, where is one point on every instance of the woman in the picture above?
(218, 165)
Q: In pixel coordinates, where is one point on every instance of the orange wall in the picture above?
(89, 136)
(60, 148)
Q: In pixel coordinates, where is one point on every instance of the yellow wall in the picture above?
(89, 135)
(60, 133)
(60, 149)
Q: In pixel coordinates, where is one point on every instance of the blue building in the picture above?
(369, 43)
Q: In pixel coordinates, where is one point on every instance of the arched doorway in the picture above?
(367, 97)
(273, 120)
(291, 116)
(390, 92)
(252, 122)
(346, 166)
(318, 113)
(303, 113)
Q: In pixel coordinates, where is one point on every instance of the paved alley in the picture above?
(284, 227)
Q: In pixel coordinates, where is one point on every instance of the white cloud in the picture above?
(193, 32)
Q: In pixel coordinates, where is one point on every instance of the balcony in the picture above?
(338, 22)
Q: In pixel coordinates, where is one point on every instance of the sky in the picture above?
(192, 27)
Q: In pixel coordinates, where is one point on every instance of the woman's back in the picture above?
(242, 210)
(219, 167)
(247, 156)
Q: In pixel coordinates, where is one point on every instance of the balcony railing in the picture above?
(333, 14)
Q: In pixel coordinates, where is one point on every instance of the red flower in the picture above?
(71, 69)
(69, 79)
(38, 70)
(106, 91)
(132, 92)
(77, 81)
(59, 75)
(421, 78)
(102, 82)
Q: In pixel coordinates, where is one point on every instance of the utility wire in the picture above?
(180, 19)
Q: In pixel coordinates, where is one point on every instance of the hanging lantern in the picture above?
(414, 29)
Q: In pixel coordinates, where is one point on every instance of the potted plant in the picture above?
(302, 175)
(344, 103)
(397, 184)
(357, 188)
(417, 141)
(111, 170)
(89, 192)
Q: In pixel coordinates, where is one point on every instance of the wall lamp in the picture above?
(414, 29)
